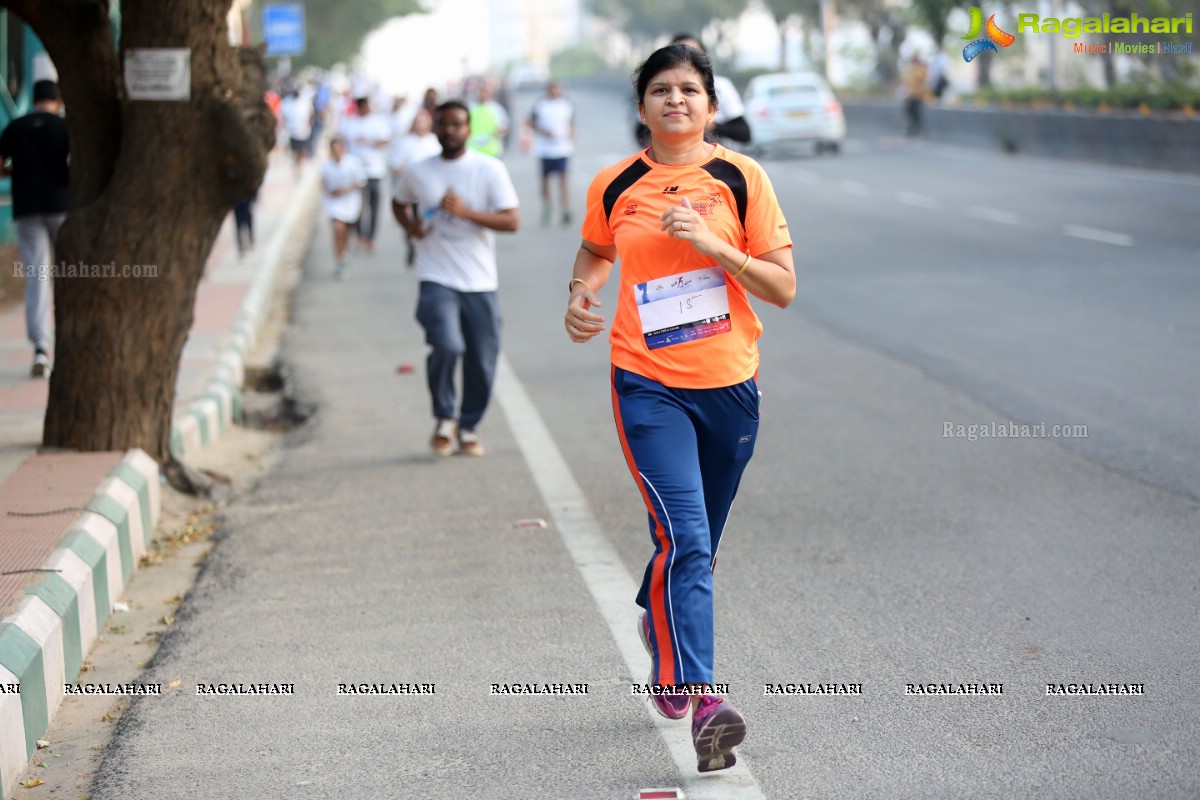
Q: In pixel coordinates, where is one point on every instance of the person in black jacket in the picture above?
(36, 144)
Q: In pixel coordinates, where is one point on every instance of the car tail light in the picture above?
(833, 106)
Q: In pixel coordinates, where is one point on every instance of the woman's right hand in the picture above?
(581, 323)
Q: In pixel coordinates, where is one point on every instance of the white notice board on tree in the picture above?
(158, 73)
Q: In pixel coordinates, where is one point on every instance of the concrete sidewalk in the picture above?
(73, 526)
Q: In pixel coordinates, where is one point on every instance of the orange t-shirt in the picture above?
(680, 319)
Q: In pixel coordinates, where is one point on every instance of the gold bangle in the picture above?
(574, 281)
(745, 264)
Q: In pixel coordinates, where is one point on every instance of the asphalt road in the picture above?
(936, 286)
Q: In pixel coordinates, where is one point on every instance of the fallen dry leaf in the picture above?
(29, 784)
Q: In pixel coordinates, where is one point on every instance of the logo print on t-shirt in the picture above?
(631, 208)
(706, 207)
(671, 190)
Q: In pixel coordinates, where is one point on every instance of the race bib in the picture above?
(684, 307)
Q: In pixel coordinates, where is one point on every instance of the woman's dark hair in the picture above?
(671, 57)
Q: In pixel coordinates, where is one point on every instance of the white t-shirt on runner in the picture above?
(361, 133)
(456, 253)
(297, 116)
(552, 127)
(344, 174)
(729, 102)
(409, 149)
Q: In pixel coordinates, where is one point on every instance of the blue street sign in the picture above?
(283, 28)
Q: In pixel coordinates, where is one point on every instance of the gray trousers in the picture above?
(35, 238)
(460, 326)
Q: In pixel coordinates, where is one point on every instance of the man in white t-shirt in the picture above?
(465, 197)
(368, 136)
(297, 113)
(553, 124)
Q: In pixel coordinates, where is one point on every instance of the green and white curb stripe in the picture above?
(207, 417)
(44, 643)
(12, 736)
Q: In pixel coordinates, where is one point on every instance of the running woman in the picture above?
(342, 182)
(698, 229)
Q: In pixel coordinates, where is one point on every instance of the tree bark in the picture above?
(984, 76)
(781, 25)
(151, 183)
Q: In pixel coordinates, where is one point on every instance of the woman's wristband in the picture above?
(745, 264)
(581, 282)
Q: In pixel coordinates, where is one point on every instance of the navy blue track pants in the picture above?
(686, 449)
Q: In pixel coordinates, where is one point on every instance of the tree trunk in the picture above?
(151, 183)
(781, 25)
(984, 60)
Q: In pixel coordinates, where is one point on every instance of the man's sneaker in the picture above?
(469, 444)
(670, 706)
(340, 271)
(717, 727)
(442, 442)
(545, 215)
(41, 365)
(566, 218)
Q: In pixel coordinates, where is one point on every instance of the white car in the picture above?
(794, 107)
(526, 75)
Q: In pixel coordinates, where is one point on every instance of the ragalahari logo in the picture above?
(984, 37)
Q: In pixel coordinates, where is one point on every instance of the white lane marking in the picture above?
(607, 580)
(854, 188)
(1098, 235)
(918, 200)
(993, 215)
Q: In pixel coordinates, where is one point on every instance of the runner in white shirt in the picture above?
(342, 182)
(553, 124)
(464, 197)
(368, 135)
(417, 145)
(297, 113)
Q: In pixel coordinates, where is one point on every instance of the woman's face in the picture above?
(676, 105)
(422, 123)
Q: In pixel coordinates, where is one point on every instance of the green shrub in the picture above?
(1127, 96)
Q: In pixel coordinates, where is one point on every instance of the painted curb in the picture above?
(44, 643)
(204, 420)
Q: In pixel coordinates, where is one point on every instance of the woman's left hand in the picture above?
(684, 222)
